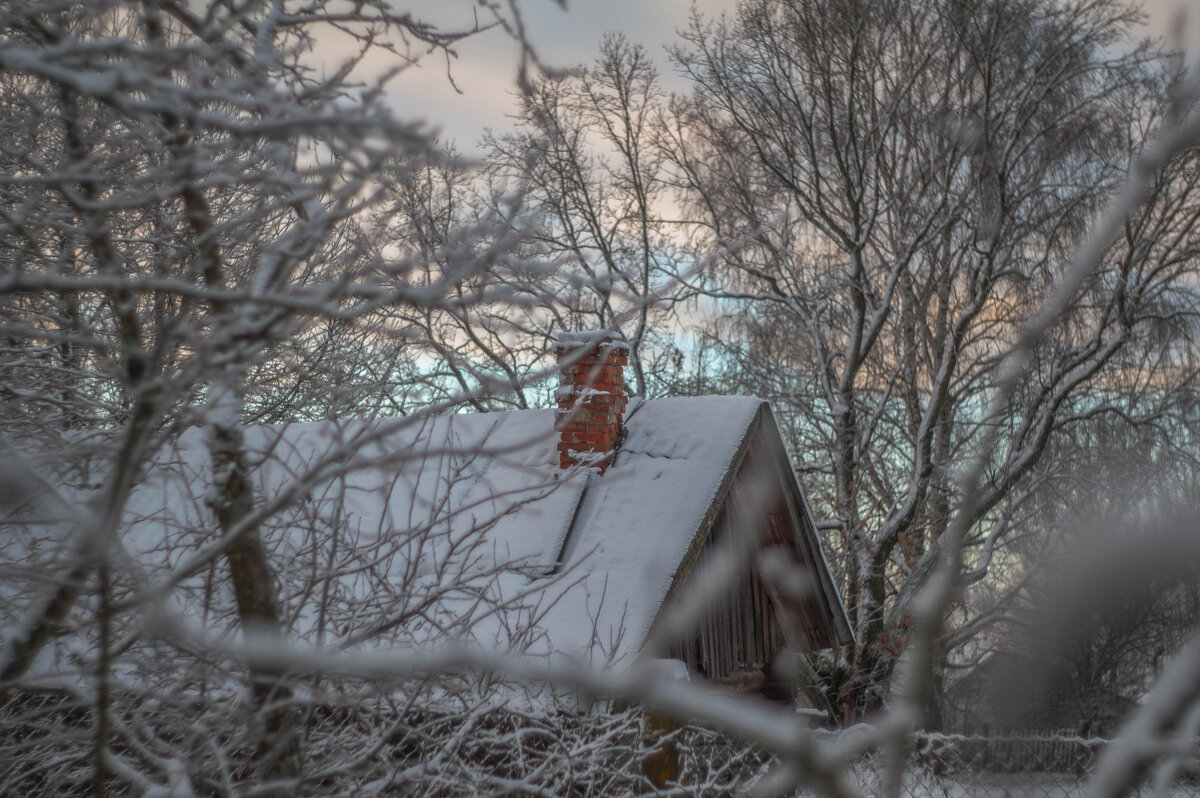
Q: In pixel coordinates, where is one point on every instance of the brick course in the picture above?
(591, 398)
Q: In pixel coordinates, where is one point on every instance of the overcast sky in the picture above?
(485, 67)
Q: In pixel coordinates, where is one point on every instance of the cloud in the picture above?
(475, 89)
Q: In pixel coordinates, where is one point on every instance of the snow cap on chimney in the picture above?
(591, 396)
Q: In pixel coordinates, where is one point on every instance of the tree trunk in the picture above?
(276, 751)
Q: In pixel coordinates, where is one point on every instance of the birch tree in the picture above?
(894, 186)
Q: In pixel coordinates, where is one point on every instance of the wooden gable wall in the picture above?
(743, 632)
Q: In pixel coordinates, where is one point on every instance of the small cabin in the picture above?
(568, 532)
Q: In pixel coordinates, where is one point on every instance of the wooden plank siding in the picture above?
(741, 634)
(743, 631)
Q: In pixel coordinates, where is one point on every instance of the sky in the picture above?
(484, 69)
(484, 66)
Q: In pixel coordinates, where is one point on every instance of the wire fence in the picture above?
(1019, 766)
(1045, 765)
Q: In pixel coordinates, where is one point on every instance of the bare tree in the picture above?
(908, 179)
(186, 241)
(580, 182)
(487, 340)
(586, 155)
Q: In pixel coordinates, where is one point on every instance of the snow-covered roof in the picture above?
(405, 531)
(412, 531)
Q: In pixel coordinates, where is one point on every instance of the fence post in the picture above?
(661, 766)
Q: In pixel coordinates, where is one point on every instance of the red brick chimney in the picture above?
(591, 397)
